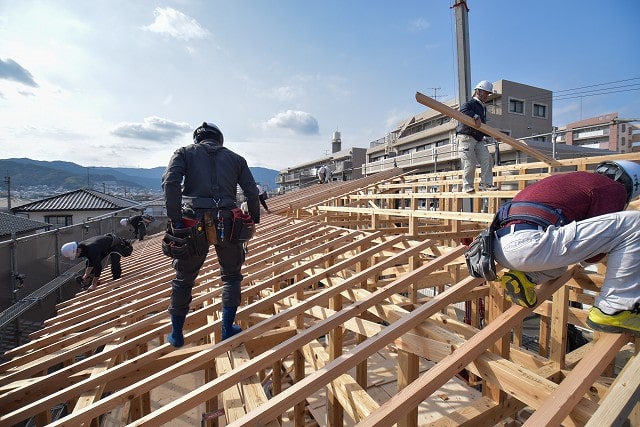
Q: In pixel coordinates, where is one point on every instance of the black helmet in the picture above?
(208, 131)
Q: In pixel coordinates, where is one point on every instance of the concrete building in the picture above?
(343, 165)
(606, 131)
(426, 141)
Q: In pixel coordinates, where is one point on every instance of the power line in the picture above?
(598, 84)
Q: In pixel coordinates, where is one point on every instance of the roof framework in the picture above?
(353, 305)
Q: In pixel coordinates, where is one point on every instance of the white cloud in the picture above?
(296, 121)
(176, 24)
(152, 129)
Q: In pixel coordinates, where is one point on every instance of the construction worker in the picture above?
(96, 250)
(262, 195)
(207, 175)
(577, 217)
(139, 224)
(470, 141)
(322, 174)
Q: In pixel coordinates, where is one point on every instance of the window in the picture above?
(59, 220)
(540, 110)
(516, 106)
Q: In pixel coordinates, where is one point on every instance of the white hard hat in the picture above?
(124, 222)
(69, 250)
(625, 172)
(485, 85)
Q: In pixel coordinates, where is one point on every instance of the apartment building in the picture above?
(342, 165)
(607, 131)
(426, 141)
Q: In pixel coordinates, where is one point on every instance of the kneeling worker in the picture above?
(96, 249)
(577, 217)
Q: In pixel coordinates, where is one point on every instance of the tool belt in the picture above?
(231, 225)
(184, 243)
(479, 257)
(242, 226)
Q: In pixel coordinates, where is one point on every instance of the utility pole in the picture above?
(462, 49)
(7, 180)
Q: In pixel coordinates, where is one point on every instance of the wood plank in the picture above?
(623, 395)
(559, 405)
(461, 117)
(231, 398)
(353, 398)
(465, 354)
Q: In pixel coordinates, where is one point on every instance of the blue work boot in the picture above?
(228, 328)
(175, 337)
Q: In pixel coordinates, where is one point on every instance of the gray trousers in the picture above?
(545, 255)
(472, 153)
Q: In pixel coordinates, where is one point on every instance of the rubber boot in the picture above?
(228, 328)
(176, 338)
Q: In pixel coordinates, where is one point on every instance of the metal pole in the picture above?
(7, 179)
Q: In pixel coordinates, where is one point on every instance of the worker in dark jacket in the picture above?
(96, 250)
(470, 141)
(576, 217)
(211, 174)
(139, 224)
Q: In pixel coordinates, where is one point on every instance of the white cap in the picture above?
(69, 250)
(124, 222)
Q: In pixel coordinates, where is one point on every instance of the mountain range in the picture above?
(26, 173)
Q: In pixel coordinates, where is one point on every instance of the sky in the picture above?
(124, 83)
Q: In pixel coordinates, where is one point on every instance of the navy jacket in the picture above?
(472, 108)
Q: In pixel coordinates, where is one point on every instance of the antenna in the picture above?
(435, 92)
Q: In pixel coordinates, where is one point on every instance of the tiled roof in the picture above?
(17, 224)
(77, 200)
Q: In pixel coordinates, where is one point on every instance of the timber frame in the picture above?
(341, 278)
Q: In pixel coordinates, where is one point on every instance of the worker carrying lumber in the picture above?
(98, 250)
(576, 217)
(139, 224)
(207, 174)
(470, 141)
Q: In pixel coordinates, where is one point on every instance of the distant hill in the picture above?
(70, 176)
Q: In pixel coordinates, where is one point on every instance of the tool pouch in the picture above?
(183, 243)
(210, 228)
(242, 226)
(479, 257)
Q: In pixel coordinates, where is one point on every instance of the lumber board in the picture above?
(461, 117)
(559, 405)
(623, 395)
(465, 354)
(353, 398)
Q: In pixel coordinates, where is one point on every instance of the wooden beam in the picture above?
(623, 395)
(461, 117)
(435, 377)
(560, 403)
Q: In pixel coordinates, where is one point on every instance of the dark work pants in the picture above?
(230, 257)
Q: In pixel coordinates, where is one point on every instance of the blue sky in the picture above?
(124, 83)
